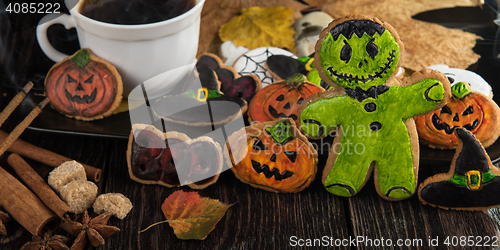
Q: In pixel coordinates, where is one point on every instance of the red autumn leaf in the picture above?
(192, 216)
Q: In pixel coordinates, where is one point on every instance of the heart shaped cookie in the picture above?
(172, 159)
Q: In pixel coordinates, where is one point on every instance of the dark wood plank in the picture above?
(257, 220)
(92, 151)
(376, 218)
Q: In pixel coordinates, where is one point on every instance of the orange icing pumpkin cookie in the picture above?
(273, 156)
(84, 86)
(466, 109)
(281, 99)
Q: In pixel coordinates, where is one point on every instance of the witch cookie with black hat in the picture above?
(232, 84)
(472, 183)
(201, 104)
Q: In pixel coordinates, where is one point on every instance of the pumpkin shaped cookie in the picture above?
(465, 109)
(273, 156)
(281, 99)
(172, 159)
(84, 86)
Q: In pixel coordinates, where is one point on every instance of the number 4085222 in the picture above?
(33, 8)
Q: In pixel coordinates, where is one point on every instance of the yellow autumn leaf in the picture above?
(261, 27)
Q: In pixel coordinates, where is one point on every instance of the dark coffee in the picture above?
(134, 11)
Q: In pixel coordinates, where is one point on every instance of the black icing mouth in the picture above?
(443, 126)
(378, 74)
(83, 99)
(274, 113)
(270, 173)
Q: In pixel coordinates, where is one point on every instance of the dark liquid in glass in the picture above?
(134, 11)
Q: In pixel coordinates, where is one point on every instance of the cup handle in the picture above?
(41, 34)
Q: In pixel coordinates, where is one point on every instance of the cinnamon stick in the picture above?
(25, 207)
(34, 182)
(4, 218)
(19, 129)
(47, 157)
(14, 103)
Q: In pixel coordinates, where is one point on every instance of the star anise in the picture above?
(94, 230)
(4, 218)
(48, 242)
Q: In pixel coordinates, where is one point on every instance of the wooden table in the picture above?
(260, 219)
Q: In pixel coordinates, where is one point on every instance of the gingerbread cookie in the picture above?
(281, 99)
(84, 86)
(172, 159)
(253, 62)
(282, 67)
(456, 75)
(202, 104)
(232, 84)
(465, 109)
(307, 30)
(273, 156)
(372, 114)
(472, 183)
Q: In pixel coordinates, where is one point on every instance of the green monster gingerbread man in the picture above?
(372, 114)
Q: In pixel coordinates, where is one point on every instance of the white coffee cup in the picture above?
(139, 52)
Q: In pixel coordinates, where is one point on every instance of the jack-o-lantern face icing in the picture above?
(171, 158)
(359, 53)
(273, 156)
(466, 109)
(281, 99)
(84, 86)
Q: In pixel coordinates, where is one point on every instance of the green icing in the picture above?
(82, 58)
(374, 129)
(213, 94)
(194, 94)
(360, 63)
(460, 89)
(462, 179)
(313, 77)
(281, 132)
(359, 145)
(190, 94)
(303, 60)
(436, 94)
(296, 79)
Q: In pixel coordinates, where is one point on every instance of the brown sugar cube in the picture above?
(115, 203)
(79, 195)
(66, 173)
